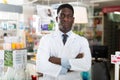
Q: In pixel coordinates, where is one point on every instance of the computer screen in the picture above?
(99, 51)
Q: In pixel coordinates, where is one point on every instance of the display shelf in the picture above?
(97, 24)
(9, 22)
(46, 32)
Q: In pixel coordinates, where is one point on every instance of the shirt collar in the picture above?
(68, 33)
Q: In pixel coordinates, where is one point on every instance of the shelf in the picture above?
(1, 39)
(7, 20)
(95, 16)
(46, 32)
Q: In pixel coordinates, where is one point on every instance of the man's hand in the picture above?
(80, 55)
(55, 60)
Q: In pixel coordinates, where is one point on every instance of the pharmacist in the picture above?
(60, 60)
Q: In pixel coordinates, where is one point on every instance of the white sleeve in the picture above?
(42, 63)
(82, 64)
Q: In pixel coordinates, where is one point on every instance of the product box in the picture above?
(13, 58)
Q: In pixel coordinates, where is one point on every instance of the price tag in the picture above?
(117, 53)
(115, 59)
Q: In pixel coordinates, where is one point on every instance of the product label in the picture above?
(8, 58)
(19, 59)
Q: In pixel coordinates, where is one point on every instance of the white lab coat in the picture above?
(52, 45)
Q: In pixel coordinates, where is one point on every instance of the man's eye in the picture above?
(67, 16)
(62, 16)
(70, 16)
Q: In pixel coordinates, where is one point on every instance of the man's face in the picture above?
(65, 19)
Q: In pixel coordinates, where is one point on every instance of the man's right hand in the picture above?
(80, 55)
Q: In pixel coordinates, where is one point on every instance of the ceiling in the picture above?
(105, 3)
(96, 3)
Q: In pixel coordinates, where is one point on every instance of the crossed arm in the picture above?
(57, 60)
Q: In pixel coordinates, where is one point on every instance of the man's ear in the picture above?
(73, 19)
(56, 19)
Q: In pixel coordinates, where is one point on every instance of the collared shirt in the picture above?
(68, 33)
(65, 62)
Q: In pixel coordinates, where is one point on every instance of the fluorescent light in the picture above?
(97, 1)
(13, 2)
(116, 12)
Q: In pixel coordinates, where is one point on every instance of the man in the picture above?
(59, 60)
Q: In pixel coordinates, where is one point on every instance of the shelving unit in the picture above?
(97, 25)
(9, 23)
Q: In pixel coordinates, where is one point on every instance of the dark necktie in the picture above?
(64, 38)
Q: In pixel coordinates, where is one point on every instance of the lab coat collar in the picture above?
(70, 34)
(57, 36)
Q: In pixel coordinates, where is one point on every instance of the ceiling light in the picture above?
(116, 12)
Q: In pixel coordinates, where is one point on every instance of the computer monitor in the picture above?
(99, 51)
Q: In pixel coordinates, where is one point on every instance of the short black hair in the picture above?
(5, 34)
(65, 6)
